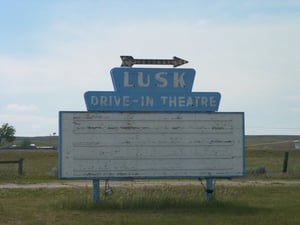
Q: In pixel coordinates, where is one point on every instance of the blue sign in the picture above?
(152, 89)
(152, 79)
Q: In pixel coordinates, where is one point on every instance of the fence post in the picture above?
(285, 162)
(20, 169)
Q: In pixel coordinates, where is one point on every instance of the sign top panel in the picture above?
(152, 89)
(127, 79)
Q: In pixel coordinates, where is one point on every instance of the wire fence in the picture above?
(273, 164)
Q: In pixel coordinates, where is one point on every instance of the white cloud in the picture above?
(294, 109)
(31, 125)
(20, 108)
(251, 64)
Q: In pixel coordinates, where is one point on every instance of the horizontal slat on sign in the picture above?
(115, 116)
(154, 165)
(157, 139)
(162, 168)
(152, 152)
(152, 126)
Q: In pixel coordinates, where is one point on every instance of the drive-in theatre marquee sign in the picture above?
(151, 126)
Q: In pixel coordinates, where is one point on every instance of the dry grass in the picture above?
(265, 205)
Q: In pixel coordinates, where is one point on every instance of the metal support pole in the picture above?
(209, 189)
(285, 162)
(96, 191)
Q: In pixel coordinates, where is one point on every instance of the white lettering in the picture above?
(172, 101)
(149, 101)
(159, 80)
(126, 80)
(94, 100)
(117, 100)
(212, 101)
(126, 101)
(141, 80)
(181, 101)
(178, 80)
(111, 101)
(189, 101)
(197, 98)
(103, 101)
(204, 101)
(163, 82)
(164, 99)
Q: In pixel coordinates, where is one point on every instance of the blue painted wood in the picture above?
(152, 79)
(154, 102)
(209, 189)
(96, 191)
(153, 90)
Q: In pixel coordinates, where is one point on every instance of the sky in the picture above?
(52, 52)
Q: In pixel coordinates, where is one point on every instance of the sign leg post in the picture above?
(96, 191)
(285, 162)
(209, 189)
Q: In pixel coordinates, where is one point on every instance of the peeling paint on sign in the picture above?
(114, 145)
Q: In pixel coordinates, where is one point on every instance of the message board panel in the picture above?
(121, 145)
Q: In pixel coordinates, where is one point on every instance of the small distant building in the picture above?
(297, 144)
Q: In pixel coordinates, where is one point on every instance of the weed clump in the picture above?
(259, 170)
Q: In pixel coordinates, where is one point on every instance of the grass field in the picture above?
(186, 204)
(38, 166)
(259, 205)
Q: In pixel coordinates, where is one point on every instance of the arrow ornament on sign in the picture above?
(129, 61)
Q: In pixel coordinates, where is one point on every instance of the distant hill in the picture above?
(271, 142)
(41, 141)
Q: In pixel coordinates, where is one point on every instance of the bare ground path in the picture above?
(136, 183)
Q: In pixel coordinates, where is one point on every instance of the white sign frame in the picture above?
(134, 145)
